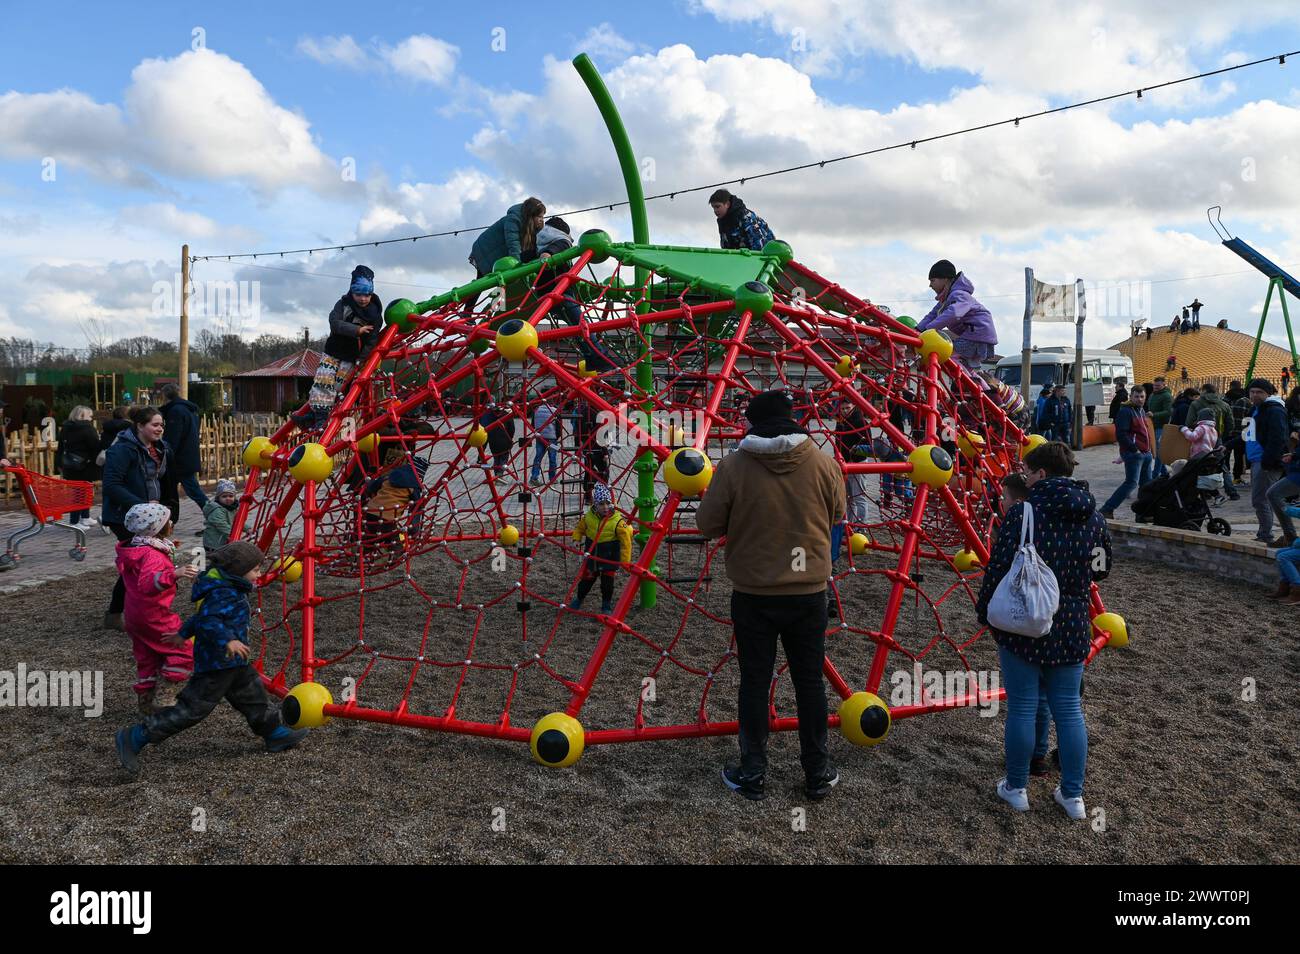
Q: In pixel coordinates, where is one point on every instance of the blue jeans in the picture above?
(1288, 564)
(541, 444)
(1137, 472)
(1026, 683)
(190, 484)
(1158, 466)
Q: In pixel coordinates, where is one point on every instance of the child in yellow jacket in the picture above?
(607, 536)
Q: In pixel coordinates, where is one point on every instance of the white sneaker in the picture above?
(1073, 806)
(1017, 798)
(90, 522)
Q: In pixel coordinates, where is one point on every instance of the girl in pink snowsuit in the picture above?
(149, 575)
(1204, 436)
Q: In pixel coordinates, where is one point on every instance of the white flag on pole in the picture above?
(1053, 302)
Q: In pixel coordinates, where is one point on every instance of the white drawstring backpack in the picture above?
(1026, 598)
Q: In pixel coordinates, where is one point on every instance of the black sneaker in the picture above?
(749, 786)
(1038, 767)
(818, 788)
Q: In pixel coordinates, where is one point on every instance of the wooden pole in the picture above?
(183, 346)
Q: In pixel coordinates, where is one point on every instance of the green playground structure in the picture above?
(1279, 280)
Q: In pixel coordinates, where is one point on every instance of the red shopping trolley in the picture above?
(48, 498)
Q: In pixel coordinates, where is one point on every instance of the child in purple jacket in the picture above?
(957, 312)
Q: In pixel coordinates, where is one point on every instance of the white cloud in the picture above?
(334, 51)
(423, 58)
(420, 57)
(603, 41)
(166, 219)
(198, 116)
(1054, 47)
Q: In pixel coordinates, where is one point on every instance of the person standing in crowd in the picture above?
(4, 423)
(1134, 450)
(957, 311)
(1210, 399)
(1160, 402)
(1120, 398)
(1196, 313)
(1058, 416)
(137, 470)
(774, 495)
(1068, 533)
(1040, 407)
(1239, 401)
(546, 438)
(738, 226)
(356, 322)
(182, 431)
(1286, 380)
(77, 455)
(595, 455)
(115, 425)
(1182, 404)
(499, 422)
(853, 445)
(1264, 452)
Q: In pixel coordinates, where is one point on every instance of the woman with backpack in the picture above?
(1071, 538)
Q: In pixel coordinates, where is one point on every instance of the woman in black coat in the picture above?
(75, 458)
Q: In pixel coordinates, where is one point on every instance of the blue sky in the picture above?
(1118, 194)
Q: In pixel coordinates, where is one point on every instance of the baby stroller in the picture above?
(1182, 500)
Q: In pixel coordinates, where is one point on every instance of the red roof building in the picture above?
(271, 389)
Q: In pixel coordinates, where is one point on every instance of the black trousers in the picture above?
(241, 686)
(799, 622)
(117, 602)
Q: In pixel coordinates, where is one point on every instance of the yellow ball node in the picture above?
(1114, 624)
(514, 338)
(368, 443)
(288, 569)
(478, 436)
(864, 718)
(582, 370)
(858, 543)
(965, 560)
(687, 471)
(310, 462)
(557, 740)
(845, 366)
(931, 465)
(304, 706)
(1031, 442)
(936, 342)
(970, 445)
(508, 536)
(255, 449)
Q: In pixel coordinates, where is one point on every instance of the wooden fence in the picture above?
(220, 442)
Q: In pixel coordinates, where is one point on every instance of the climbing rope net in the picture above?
(424, 559)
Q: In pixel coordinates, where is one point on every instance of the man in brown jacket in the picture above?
(775, 499)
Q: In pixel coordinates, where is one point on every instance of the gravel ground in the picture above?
(1183, 768)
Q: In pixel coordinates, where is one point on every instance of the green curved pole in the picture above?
(646, 464)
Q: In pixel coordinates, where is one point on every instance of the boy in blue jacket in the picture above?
(221, 671)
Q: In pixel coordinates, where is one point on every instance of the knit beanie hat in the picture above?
(1263, 384)
(147, 519)
(943, 269)
(225, 486)
(1205, 414)
(601, 494)
(238, 558)
(770, 405)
